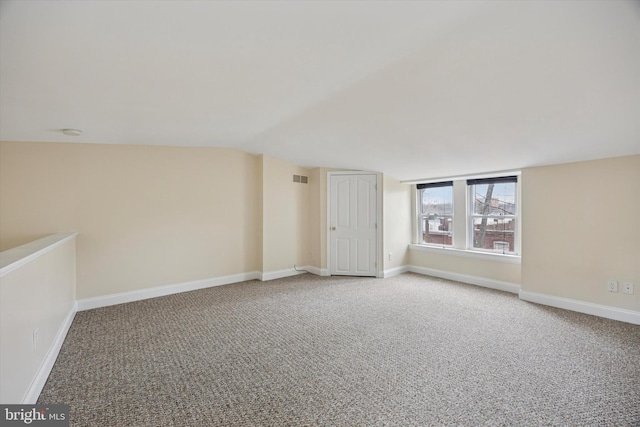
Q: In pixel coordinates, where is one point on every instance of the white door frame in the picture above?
(379, 272)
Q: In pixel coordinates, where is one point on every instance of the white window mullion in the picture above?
(452, 214)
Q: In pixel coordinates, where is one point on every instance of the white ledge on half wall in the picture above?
(18, 256)
(487, 256)
(43, 267)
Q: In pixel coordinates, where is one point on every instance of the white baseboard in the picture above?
(395, 271)
(608, 312)
(34, 390)
(159, 291)
(314, 270)
(473, 280)
(279, 274)
(600, 310)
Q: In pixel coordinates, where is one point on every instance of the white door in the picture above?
(353, 224)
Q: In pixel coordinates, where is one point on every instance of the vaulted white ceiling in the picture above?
(413, 89)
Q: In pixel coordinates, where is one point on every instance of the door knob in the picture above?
(333, 229)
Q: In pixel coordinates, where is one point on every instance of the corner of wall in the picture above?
(580, 229)
(396, 223)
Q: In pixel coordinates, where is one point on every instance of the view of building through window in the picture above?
(493, 216)
(437, 215)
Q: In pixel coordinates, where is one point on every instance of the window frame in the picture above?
(422, 217)
(461, 225)
(471, 216)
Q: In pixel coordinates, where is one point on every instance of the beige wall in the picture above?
(285, 215)
(324, 225)
(37, 295)
(397, 222)
(151, 216)
(581, 227)
(324, 222)
(146, 216)
(490, 269)
(480, 268)
(259, 239)
(316, 215)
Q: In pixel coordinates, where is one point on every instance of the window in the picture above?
(483, 212)
(492, 214)
(435, 211)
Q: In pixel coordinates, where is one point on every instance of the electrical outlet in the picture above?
(36, 336)
(390, 256)
(627, 288)
(612, 286)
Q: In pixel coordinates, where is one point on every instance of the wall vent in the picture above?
(301, 179)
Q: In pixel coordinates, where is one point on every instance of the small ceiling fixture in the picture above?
(72, 132)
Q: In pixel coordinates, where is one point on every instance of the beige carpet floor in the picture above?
(329, 351)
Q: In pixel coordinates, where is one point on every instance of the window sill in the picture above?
(508, 259)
